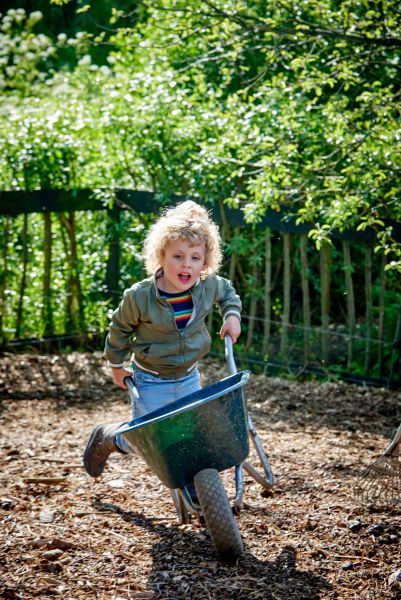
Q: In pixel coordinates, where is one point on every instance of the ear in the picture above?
(205, 271)
(160, 258)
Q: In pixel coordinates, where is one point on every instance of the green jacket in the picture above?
(144, 325)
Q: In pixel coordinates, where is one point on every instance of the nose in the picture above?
(186, 262)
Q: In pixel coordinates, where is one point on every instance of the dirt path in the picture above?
(117, 537)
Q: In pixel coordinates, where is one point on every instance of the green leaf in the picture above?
(83, 9)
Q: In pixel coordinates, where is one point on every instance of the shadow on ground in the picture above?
(185, 565)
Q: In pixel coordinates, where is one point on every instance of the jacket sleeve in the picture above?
(124, 321)
(227, 299)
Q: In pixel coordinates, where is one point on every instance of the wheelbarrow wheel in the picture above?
(218, 515)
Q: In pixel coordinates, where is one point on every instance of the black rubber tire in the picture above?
(218, 514)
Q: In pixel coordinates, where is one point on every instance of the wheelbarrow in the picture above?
(188, 442)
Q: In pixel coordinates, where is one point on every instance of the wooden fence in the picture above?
(279, 278)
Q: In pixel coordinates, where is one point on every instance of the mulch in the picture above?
(66, 535)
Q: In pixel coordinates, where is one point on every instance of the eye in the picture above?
(196, 258)
(177, 256)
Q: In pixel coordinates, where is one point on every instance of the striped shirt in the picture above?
(182, 306)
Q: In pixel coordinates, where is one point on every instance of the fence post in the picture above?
(20, 307)
(381, 313)
(349, 287)
(113, 262)
(47, 310)
(285, 322)
(267, 294)
(369, 307)
(395, 383)
(75, 315)
(3, 281)
(325, 263)
(305, 295)
(253, 306)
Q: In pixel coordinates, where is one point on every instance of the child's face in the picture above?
(182, 265)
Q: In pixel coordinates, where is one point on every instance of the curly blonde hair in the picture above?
(186, 221)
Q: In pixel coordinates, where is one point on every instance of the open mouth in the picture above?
(184, 277)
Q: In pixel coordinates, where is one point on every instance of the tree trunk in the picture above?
(349, 287)
(325, 263)
(305, 296)
(24, 265)
(47, 311)
(286, 296)
(368, 302)
(267, 294)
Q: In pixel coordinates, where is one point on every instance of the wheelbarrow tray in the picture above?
(206, 429)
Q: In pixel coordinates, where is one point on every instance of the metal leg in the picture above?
(190, 505)
(266, 481)
(184, 505)
(239, 488)
(182, 513)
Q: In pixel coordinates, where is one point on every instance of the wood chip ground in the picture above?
(65, 535)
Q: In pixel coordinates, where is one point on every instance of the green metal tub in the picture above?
(207, 429)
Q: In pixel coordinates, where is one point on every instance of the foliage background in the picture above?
(257, 105)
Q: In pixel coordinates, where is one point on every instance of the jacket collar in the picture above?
(196, 288)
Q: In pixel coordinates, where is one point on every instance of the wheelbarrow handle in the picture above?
(232, 368)
(134, 395)
(129, 382)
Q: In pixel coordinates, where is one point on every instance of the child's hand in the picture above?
(119, 374)
(231, 327)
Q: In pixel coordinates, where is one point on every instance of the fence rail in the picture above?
(14, 203)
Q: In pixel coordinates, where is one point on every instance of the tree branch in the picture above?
(311, 30)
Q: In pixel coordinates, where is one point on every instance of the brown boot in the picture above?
(100, 445)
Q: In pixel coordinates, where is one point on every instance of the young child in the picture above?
(160, 322)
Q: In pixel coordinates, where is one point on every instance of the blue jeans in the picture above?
(155, 392)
